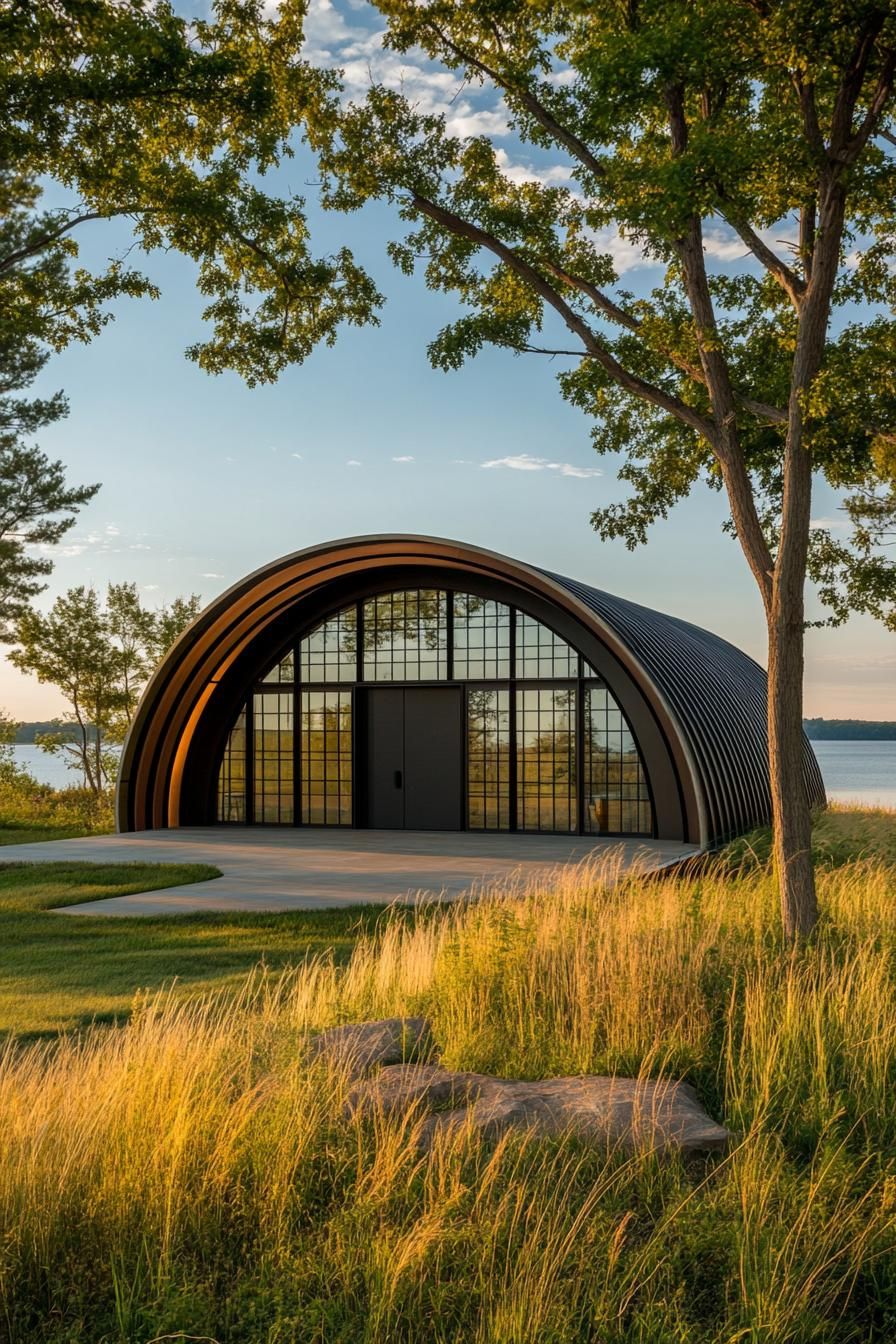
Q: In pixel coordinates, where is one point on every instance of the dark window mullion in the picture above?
(250, 759)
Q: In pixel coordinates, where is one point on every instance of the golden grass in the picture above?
(193, 1171)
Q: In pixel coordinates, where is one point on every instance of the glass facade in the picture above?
(406, 636)
(330, 653)
(546, 747)
(272, 756)
(326, 758)
(546, 790)
(540, 653)
(616, 794)
(488, 759)
(482, 638)
(284, 671)
(232, 775)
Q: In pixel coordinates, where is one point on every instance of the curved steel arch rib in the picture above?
(696, 703)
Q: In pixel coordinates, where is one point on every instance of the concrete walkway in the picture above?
(303, 869)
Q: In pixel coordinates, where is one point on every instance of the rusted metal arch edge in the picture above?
(157, 745)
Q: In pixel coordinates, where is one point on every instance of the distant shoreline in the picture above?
(817, 730)
(850, 730)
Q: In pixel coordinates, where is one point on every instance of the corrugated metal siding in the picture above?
(718, 695)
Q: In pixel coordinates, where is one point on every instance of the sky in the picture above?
(204, 479)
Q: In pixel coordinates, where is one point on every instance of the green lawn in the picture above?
(60, 971)
(35, 835)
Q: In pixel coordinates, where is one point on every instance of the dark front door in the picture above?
(414, 758)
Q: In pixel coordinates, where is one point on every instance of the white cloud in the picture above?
(150, 587)
(406, 458)
(210, 575)
(107, 540)
(626, 254)
(358, 49)
(353, 462)
(828, 524)
(297, 456)
(554, 175)
(526, 462)
(723, 244)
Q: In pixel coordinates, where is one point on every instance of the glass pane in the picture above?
(329, 653)
(272, 756)
(406, 636)
(232, 775)
(542, 654)
(481, 639)
(488, 759)
(326, 758)
(284, 671)
(617, 800)
(546, 760)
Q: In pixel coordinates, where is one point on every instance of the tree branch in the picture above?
(533, 105)
(851, 87)
(630, 382)
(725, 441)
(792, 284)
(875, 108)
(41, 244)
(761, 409)
(811, 125)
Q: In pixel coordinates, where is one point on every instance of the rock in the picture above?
(361, 1045)
(633, 1113)
(401, 1086)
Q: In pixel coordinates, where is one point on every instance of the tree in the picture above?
(134, 111)
(130, 110)
(676, 118)
(37, 507)
(100, 659)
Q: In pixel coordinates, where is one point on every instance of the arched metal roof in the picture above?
(718, 694)
(706, 697)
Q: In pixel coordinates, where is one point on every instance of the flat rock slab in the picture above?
(362, 1045)
(631, 1113)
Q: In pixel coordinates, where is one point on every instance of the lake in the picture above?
(45, 768)
(858, 772)
(854, 772)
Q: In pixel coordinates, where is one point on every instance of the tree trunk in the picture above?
(790, 801)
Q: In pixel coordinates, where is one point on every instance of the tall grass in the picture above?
(194, 1171)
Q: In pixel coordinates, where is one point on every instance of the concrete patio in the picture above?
(266, 869)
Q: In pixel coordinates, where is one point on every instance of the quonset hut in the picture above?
(414, 683)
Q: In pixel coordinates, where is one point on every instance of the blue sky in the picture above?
(205, 479)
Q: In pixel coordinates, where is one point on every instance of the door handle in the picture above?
(398, 779)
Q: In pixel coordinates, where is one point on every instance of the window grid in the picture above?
(326, 758)
(546, 759)
(488, 759)
(540, 654)
(330, 653)
(272, 757)
(406, 636)
(482, 631)
(232, 775)
(284, 671)
(616, 793)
